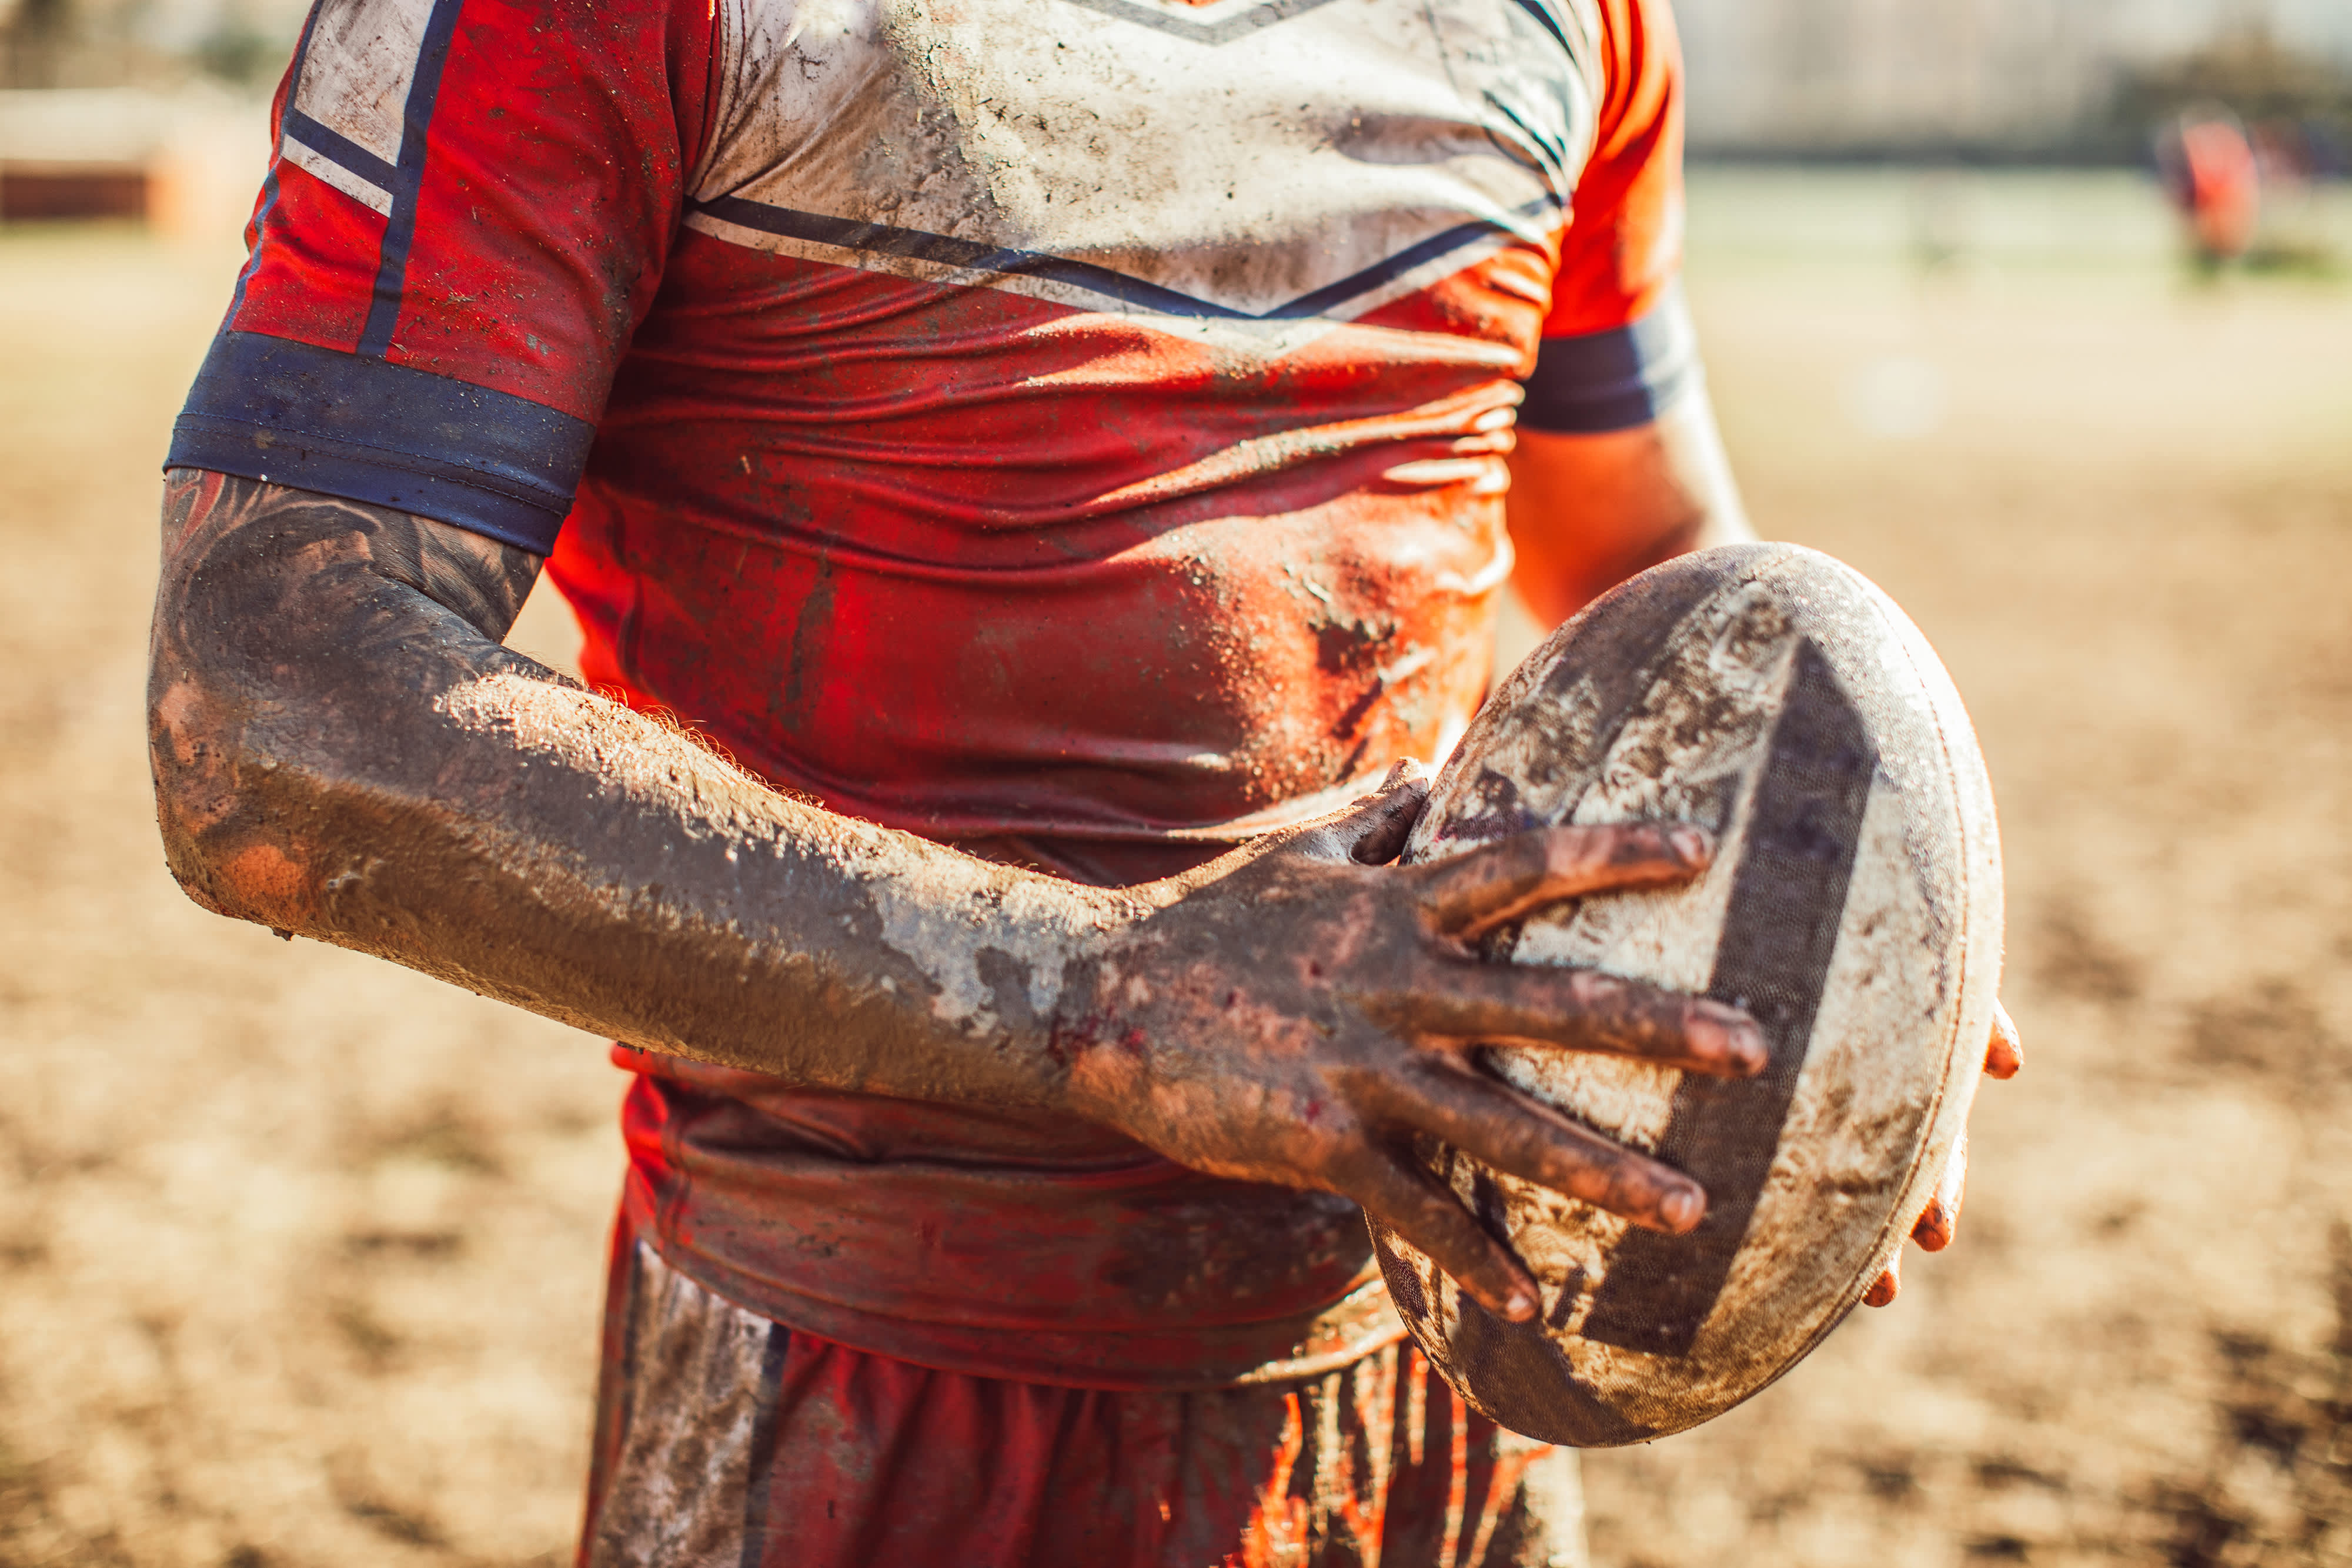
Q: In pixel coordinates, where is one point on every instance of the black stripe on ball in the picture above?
(1774, 959)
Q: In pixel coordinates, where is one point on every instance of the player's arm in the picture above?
(343, 750)
(1589, 509)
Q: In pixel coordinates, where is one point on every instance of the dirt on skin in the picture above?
(299, 1252)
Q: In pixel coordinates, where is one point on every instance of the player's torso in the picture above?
(1086, 415)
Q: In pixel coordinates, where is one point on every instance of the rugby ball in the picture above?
(1854, 908)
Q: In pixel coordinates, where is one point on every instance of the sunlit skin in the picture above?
(1589, 511)
(342, 749)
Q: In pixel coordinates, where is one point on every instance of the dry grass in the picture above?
(299, 1254)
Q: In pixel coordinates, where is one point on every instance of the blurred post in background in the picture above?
(138, 111)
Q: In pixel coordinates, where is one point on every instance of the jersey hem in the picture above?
(1595, 382)
(255, 454)
(319, 419)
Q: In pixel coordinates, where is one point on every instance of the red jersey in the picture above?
(1072, 428)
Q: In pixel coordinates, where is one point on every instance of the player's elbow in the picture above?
(227, 810)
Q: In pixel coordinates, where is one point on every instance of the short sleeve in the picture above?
(466, 214)
(1617, 345)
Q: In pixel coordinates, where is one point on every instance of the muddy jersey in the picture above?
(1072, 428)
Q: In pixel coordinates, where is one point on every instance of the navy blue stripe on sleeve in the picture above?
(337, 148)
(408, 175)
(1615, 380)
(318, 419)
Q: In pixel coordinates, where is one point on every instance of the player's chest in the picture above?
(1260, 159)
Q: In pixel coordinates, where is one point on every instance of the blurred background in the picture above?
(2036, 311)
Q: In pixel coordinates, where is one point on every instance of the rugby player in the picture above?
(1026, 472)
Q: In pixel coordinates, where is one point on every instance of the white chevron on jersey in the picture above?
(346, 119)
(1277, 162)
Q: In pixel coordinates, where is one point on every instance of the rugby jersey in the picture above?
(1070, 428)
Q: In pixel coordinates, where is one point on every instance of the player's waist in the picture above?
(1083, 1260)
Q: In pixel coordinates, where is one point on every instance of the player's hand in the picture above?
(1296, 1011)
(1941, 1220)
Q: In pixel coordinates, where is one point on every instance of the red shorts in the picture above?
(726, 1440)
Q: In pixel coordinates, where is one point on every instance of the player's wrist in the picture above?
(994, 974)
(1096, 1035)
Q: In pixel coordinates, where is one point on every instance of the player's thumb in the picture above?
(1374, 829)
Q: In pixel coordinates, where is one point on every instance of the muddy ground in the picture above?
(300, 1253)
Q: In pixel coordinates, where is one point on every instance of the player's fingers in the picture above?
(1498, 882)
(1397, 1193)
(1579, 1009)
(1883, 1289)
(1941, 1221)
(2005, 1055)
(1433, 1092)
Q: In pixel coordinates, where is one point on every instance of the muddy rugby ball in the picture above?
(1854, 908)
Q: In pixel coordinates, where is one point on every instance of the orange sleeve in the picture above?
(1625, 240)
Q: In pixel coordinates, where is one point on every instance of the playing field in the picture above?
(300, 1253)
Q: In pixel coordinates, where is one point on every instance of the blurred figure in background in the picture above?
(2208, 168)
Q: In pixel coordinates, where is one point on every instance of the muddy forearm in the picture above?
(342, 750)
